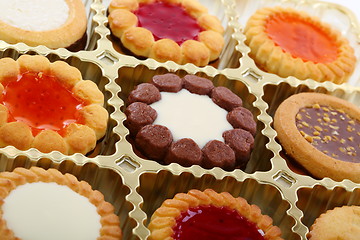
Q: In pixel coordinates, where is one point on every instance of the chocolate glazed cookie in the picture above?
(158, 142)
(322, 133)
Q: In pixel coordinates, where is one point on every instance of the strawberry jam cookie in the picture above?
(49, 106)
(46, 204)
(189, 121)
(287, 42)
(210, 215)
(177, 30)
(55, 23)
(339, 223)
(322, 133)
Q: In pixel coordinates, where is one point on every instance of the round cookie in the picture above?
(287, 42)
(61, 24)
(48, 106)
(46, 204)
(166, 30)
(338, 223)
(172, 119)
(322, 133)
(210, 215)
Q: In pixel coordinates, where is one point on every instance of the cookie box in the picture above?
(137, 186)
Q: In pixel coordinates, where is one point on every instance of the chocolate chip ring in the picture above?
(322, 133)
(156, 141)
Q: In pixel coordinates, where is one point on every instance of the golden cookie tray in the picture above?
(136, 186)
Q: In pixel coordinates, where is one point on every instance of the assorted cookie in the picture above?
(46, 204)
(288, 42)
(191, 122)
(166, 30)
(210, 215)
(48, 106)
(322, 133)
(338, 223)
(54, 24)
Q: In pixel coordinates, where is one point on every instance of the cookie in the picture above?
(46, 204)
(338, 223)
(287, 42)
(61, 24)
(321, 132)
(48, 106)
(210, 215)
(191, 122)
(165, 30)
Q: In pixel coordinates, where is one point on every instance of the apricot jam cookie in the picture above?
(49, 106)
(46, 204)
(210, 215)
(339, 223)
(287, 42)
(55, 23)
(177, 30)
(322, 133)
(191, 122)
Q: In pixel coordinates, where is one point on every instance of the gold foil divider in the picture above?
(107, 57)
(127, 163)
(251, 75)
(284, 179)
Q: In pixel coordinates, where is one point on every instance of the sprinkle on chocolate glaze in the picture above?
(331, 131)
(146, 93)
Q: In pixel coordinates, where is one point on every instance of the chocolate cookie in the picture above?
(322, 133)
(163, 143)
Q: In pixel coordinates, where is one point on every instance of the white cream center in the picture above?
(44, 211)
(193, 116)
(34, 15)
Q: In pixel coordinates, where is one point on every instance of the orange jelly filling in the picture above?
(301, 38)
(41, 102)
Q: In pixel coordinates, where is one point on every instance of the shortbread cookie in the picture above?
(292, 43)
(322, 133)
(45, 204)
(49, 106)
(210, 215)
(339, 223)
(191, 122)
(55, 23)
(181, 31)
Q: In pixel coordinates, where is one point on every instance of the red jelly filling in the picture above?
(167, 20)
(301, 38)
(216, 223)
(41, 102)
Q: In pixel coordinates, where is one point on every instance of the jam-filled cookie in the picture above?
(210, 215)
(177, 30)
(49, 106)
(46, 204)
(338, 223)
(322, 133)
(191, 122)
(287, 42)
(55, 23)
